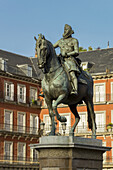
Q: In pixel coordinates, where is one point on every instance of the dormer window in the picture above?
(3, 64)
(26, 69)
(86, 66)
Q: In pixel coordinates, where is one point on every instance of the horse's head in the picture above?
(41, 50)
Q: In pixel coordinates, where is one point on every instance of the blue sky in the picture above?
(21, 20)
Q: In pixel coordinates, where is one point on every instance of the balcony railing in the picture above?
(11, 97)
(10, 128)
(81, 130)
(18, 160)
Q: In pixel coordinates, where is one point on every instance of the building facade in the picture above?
(20, 109)
(99, 63)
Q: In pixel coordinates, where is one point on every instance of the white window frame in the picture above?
(34, 158)
(11, 152)
(34, 130)
(84, 128)
(24, 154)
(103, 128)
(3, 64)
(36, 93)
(47, 127)
(9, 126)
(21, 129)
(104, 94)
(11, 90)
(21, 99)
(67, 126)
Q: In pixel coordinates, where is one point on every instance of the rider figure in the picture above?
(69, 49)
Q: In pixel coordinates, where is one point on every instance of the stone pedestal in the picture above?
(70, 153)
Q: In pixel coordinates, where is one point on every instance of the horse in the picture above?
(56, 87)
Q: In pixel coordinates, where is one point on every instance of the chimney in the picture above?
(108, 45)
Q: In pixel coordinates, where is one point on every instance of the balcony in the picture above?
(14, 160)
(20, 99)
(19, 131)
(82, 131)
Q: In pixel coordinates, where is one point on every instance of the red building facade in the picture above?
(19, 111)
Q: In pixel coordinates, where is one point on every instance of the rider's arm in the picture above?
(76, 48)
(56, 44)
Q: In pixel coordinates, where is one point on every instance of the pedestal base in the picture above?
(70, 153)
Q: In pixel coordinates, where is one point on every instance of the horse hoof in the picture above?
(62, 119)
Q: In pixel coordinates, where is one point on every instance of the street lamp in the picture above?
(64, 127)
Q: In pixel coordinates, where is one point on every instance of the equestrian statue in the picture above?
(64, 80)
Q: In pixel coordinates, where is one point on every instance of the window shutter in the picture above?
(24, 95)
(18, 92)
(12, 92)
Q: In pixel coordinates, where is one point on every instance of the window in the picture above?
(82, 125)
(8, 150)
(29, 71)
(9, 91)
(68, 123)
(33, 93)
(34, 124)
(99, 92)
(47, 122)
(84, 65)
(8, 120)
(34, 155)
(3, 64)
(21, 122)
(100, 121)
(21, 151)
(21, 93)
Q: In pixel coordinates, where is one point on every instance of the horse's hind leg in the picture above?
(77, 118)
(91, 117)
(54, 106)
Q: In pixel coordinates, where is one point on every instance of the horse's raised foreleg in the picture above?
(91, 117)
(54, 106)
(51, 114)
(77, 118)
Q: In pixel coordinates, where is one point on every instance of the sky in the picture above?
(21, 20)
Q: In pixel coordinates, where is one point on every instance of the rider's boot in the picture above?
(75, 83)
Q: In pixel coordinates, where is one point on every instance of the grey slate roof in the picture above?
(14, 59)
(103, 59)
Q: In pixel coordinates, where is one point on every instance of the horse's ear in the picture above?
(35, 38)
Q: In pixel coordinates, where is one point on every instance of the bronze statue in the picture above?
(56, 86)
(69, 48)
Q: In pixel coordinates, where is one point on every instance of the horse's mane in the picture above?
(53, 52)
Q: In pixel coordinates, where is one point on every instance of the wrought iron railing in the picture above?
(18, 160)
(11, 97)
(18, 129)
